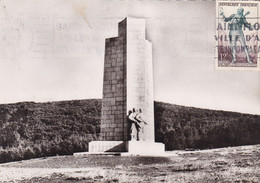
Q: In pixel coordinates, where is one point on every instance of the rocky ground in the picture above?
(233, 164)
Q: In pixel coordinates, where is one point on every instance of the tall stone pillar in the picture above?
(113, 116)
(140, 73)
(128, 84)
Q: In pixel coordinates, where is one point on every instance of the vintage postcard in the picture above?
(237, 35)
(115, 91)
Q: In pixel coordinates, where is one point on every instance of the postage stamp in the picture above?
(237, 35)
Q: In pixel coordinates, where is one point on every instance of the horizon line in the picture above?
(67, 100)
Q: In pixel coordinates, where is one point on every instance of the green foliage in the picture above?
(31, 130)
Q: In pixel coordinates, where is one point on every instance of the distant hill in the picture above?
(182, 127)
(29, 130)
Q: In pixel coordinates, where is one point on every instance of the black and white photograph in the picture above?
(129, 91)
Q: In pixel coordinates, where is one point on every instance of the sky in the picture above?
(53, 50)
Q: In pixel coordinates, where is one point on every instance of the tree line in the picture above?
(30, 130)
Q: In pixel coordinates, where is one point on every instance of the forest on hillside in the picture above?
(182, 127)
(30, 130)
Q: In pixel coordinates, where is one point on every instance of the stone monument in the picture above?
(128, 84)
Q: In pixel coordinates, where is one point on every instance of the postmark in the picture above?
(237, 35)
(15, 37)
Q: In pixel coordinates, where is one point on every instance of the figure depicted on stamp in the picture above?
(237, 35)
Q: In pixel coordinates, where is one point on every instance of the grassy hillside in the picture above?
(29, 130)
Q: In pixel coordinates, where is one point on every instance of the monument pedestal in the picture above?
(128, 147)
(145, 148)
(106, 146)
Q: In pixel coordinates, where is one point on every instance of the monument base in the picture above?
(106, 146)
(145, 148)
(129, 147)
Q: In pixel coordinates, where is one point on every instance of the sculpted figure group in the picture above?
(137, 131)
